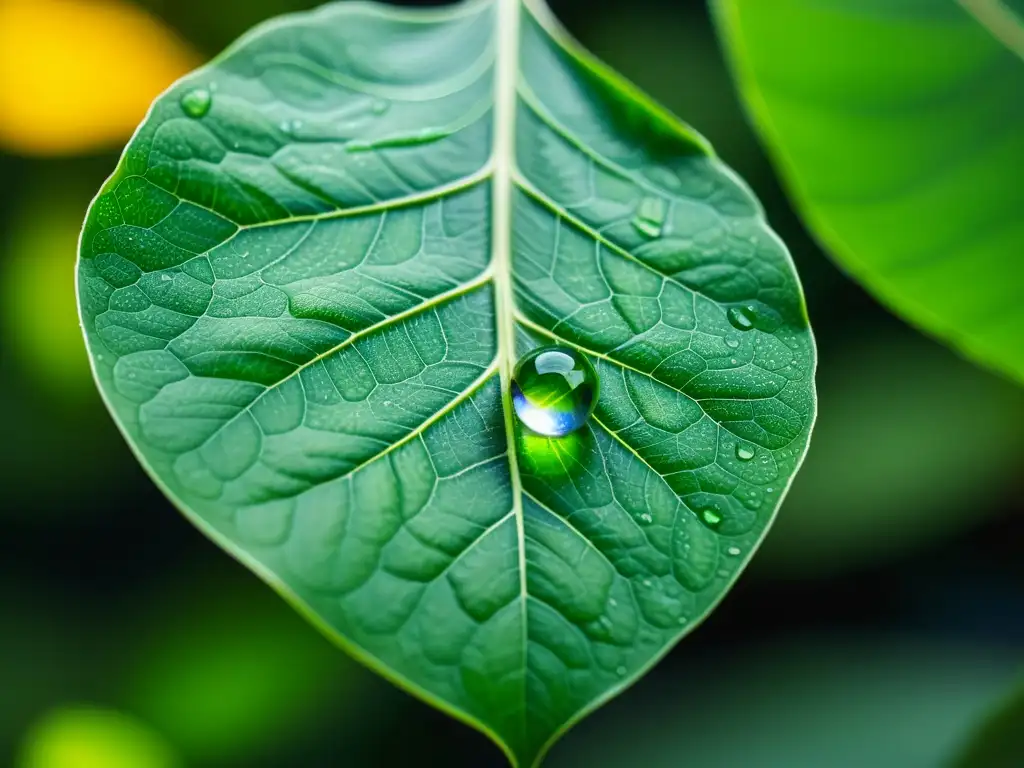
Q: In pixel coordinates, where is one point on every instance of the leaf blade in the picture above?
(319, 383)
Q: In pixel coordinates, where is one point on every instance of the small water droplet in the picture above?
(711, 517)
(769, 490)
(733, 361)
(732, 342)
(296, 125)
(620, 671)
(650, 216)
(554, 390)
(166, 278)
(744, 453)
(379, 107)
(646, 517)
(196, 102)
(612, 602)
(742, 318)
(647, 582)
(734, 551)
(285, 126)
(682, 620)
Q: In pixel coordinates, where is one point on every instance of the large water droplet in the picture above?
(196, 103)
(744, 453)
(554, 390)
(650, 216)
(742, 318)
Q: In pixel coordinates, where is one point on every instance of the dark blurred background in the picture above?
(882, 618)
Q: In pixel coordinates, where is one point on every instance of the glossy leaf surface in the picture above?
(304, 291)
(900, 128)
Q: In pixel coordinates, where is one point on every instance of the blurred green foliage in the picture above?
(998, 742)
(39, 318)
(86, 737)
(230, 672)
(808, 702)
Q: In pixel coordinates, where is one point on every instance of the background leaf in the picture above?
(303, 292)
(897, 125)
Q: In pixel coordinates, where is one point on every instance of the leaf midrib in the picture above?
(506, 78)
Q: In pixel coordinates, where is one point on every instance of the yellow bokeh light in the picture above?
(78, 75)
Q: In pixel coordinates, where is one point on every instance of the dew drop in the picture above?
(612, 602)
(731, 342)
(197, 102)
(620, 671)
(734, 551)
(166, 278)
(710, 517)
(554, 390)
(650, 217)
(742, 318)
(646, 517)
(647, 582)
(743, 453)
(379, 107)
(681, 620)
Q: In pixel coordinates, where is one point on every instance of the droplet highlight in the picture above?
(711, 517)
(196, 102)
(554, 390)
(743, 452)
(650, 217)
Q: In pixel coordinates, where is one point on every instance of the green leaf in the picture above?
(999, 741)
(899, 127)
(307, 283)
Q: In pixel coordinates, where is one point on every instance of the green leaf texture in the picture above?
(899, 126)
(305, 287)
